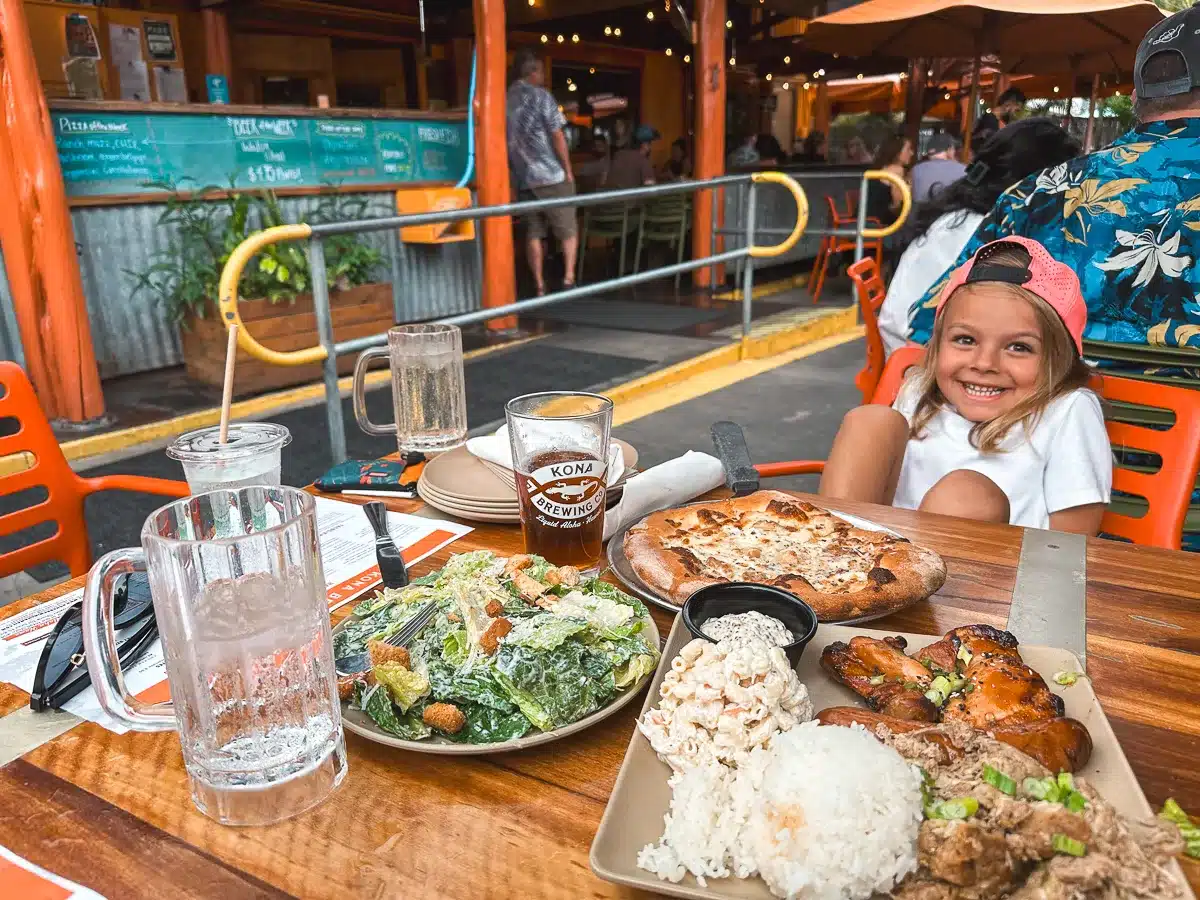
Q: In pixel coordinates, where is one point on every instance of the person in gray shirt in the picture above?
(938, 170)
(540, 162)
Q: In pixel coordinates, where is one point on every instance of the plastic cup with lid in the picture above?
(251, 456)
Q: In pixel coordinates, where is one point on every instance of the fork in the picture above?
(361, 662)
(391, 564)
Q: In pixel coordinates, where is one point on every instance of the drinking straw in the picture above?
(227, 393)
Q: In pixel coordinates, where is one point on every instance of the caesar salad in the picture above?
(516, 646)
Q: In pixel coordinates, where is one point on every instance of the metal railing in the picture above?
(328, 350)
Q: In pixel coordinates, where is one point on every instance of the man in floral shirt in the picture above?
(1126, 218)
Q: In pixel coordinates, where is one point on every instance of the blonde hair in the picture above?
(1062, 370)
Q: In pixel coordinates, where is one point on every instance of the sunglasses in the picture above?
(62, 670)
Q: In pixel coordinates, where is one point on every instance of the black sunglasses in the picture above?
(62, 669)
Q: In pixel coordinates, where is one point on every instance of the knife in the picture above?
(730, 444)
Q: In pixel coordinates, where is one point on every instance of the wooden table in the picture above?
(113, 812)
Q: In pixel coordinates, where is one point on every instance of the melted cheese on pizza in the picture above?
(761, 548)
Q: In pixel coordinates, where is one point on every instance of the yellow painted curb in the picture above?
(761, 344)
(112, 441)
(766, 289)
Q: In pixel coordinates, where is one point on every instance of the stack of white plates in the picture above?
(461, 484)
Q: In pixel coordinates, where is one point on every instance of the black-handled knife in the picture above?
(730, 444)
(391, 564)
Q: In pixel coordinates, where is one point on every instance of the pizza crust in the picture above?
(900, 574)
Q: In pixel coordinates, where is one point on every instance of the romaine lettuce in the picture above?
(487, 725)
(555, 687)
(613, 593)
(378, 705)
(544, 632)
(404, 686)
(603, 614)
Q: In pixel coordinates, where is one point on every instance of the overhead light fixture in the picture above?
(574, 39)
(608, 29)
(533, 2)
(687, 57)
(836, 55)
(545, 38)
(787, 60)
(669, 51)
(650, 15)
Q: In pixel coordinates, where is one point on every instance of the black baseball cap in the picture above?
(941, 142)
(1178, 35)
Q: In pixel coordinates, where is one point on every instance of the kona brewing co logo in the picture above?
(1169, 35)
(568, 490)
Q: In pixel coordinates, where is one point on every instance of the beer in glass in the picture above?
(560, 458)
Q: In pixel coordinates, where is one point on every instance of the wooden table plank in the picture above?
(520, 825)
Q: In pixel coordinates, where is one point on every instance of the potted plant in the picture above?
(275, 299)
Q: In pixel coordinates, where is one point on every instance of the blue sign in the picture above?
(218, 88)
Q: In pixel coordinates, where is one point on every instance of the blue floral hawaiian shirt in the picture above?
(1127, 220)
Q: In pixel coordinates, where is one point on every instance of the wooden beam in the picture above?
(218, 55)
(709, 57)
(491, 140)
(66, 337)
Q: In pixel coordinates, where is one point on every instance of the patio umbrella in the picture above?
(1029, 36)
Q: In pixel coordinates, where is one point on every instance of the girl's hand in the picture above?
(1078, 519)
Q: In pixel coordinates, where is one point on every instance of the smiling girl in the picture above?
(999, 424)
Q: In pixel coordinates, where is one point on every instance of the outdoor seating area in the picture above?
(528, 449)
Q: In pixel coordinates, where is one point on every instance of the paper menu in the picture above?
(21, 878)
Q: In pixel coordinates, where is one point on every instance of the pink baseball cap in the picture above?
(1053, 281)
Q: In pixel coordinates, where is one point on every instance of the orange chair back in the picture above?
(836, 218)
(869, 286)
(35, 472)
(1169, 490)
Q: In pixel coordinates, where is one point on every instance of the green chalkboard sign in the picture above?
(107, 153)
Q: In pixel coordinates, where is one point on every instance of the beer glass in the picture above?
(429, 393)
(560, 458)
(235, 576)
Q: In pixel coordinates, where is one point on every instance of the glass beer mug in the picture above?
(239, 596)
(429, 393)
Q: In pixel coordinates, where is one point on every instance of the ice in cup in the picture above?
(252, 456)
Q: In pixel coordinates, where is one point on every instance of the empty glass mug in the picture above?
(235, 576)
(429, 393)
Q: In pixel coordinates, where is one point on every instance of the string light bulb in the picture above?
(533, 2)
(545, 38)
(768, 76)
(733, 60)
(787, 60)
(616, 32)
(560, 39)
(786, 86)
(572, 87)
(860, 76)
(946, 96)
(669, 51)
(1056, 89)
(649, 15)
(608, 29)
(687, 57)
(729, 23)
(806, 85)
(592, 70)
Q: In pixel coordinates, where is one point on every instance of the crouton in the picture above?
(494, 608)
(346, 685)
(445, 717)
(453, 617)
(529, 588)
(516, 563)
(381, 653)
(490, 639)
(567, 576)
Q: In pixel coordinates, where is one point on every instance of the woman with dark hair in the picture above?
(770, 153)
(679, 166)
(896, 156)
(940, 228)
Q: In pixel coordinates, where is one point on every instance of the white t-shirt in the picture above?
(1066, 462)
(924, 262)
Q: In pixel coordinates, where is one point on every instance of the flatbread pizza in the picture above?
(769, 537)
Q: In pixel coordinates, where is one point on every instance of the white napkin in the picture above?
(496, 449)
(669, 484)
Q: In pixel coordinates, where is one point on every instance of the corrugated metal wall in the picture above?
(132, 333)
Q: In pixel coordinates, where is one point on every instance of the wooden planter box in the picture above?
(358, 312)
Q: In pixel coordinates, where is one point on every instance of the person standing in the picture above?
(541, 165)
(938, 170)
(1002, 113)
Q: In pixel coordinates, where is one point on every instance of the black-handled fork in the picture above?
(391, 563)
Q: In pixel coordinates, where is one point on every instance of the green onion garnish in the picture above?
(1040, 788)
(1065, 782)
(964, 655)
(999, 781)
(878, 679)
(1075, 802)
(1188, 830)
(1066, 679)
(1068, 845)
(958, 808)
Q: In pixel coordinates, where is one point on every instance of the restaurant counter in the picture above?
(113, 152)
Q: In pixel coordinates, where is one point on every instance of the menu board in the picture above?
(122, 153)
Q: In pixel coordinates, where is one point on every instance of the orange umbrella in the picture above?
(1029, 36)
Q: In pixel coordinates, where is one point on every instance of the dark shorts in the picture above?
(562, 220)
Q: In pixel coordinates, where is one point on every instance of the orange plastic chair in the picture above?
(35, 444)
(832, 244)
(1167, 491)
(871, 290)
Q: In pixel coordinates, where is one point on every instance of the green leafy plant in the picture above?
(208, 223)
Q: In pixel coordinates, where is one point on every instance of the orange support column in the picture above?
(710, 123)
(491, 141)
(41, 198)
